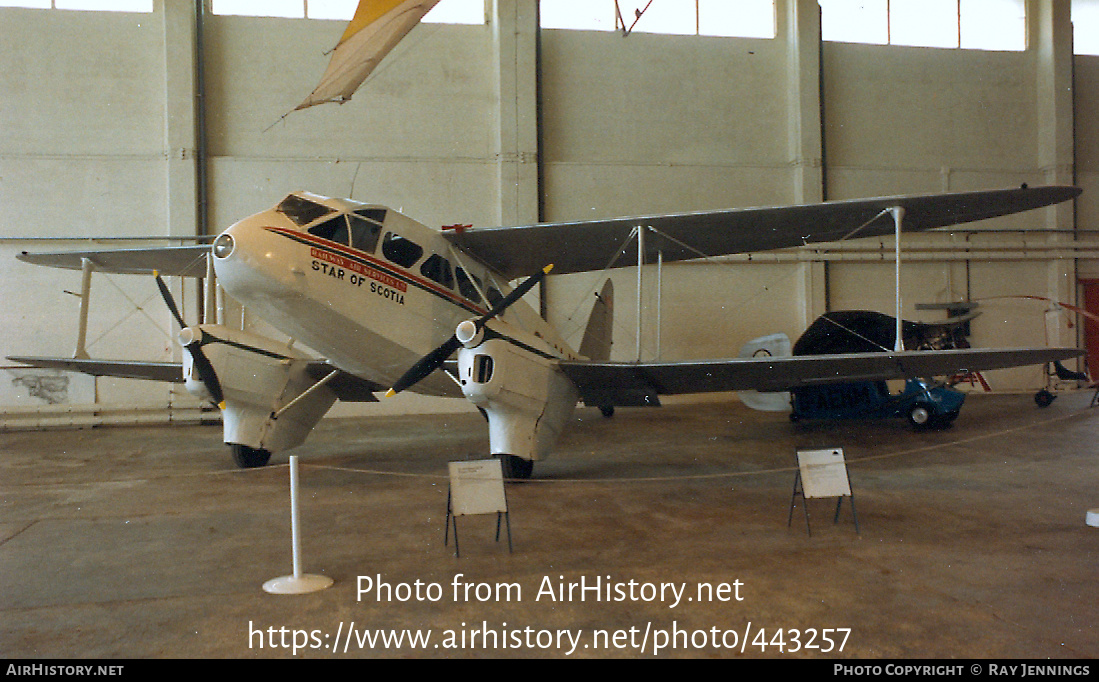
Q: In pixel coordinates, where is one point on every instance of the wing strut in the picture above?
(86, 268)
(898, 218)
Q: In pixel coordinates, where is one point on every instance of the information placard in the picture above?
(823, 473)
(477, 487)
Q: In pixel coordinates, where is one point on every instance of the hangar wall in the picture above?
(99, 141)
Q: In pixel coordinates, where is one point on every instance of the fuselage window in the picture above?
(466, 286)
(437, 268)
(302, 211)
(494, 296)
(364, 234)
(400, 250)
(333, 230)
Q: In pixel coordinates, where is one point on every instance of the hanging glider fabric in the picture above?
(376, 28)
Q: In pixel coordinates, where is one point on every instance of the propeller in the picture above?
(435, 359)
(192, 341)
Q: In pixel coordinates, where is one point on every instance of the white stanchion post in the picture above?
(296, 583)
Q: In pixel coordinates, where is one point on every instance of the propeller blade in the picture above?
(168, 299)
(206, 372)
(425, 366)
(516, 293)
(435, 359)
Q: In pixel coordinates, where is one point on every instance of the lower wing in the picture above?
(641, 383)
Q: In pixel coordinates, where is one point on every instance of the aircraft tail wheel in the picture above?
(249, 458)
(516, 467)
(921, 415)
(1043, 398)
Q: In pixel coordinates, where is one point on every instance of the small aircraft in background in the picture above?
(385, 302)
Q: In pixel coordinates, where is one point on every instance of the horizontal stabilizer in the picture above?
(640, 383)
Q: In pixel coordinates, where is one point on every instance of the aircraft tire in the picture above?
(249, 458)
(921, 416)
(515, 467)
(607, 411)
(1044, 398)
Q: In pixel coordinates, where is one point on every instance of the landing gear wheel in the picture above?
(1043, 398)
(516, 467)
(607, 411)
(249, 458)
(921, 416)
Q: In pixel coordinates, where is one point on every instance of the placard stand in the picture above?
(822, 473)
(296, 583)
(476, 487)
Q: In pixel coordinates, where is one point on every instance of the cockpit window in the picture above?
(437, 268)
(400, 250)
(375, 214)
(364, 233)
(302, 211)
(333, 230)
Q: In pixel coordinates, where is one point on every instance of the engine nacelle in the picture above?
(527, 399)
(258, 377)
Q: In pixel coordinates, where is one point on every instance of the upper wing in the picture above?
(591, 245)
(177, 261)
(638, 383)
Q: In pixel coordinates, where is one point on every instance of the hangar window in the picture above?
(437, 269)
(742, 19)
(968, 24)
(88, 5)
(446, 12)
(400, 250)
(1085, 26)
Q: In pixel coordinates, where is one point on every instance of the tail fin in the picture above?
(775, 345)
(596, 344)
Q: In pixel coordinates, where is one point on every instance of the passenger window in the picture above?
(333, 230)
(494, 296)
(466, 286)
(437, 268)
(364, 234)
(400, 250)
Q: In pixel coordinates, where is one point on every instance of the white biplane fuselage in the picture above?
(373, 291)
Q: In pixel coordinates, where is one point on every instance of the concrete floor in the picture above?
(146, 542)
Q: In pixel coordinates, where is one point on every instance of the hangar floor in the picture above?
(146, 542)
